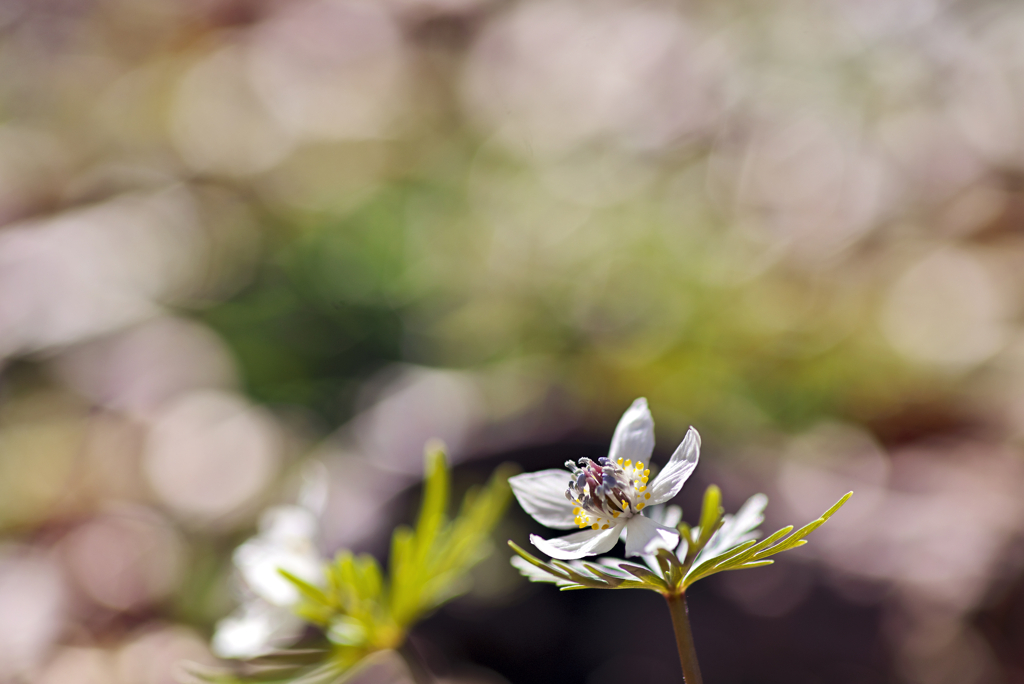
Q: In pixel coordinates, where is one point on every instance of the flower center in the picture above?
(604, 491)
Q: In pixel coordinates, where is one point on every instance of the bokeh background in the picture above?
(237, 235)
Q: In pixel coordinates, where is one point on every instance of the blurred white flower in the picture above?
(286, 541)
(608, 496)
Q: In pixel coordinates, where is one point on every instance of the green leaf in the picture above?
(709, 565)
(314, 594)
(644, 575)
(435, 500)
(710, 516)
(754, 564)
(536, 562)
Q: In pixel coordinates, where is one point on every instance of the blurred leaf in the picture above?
(363, 612)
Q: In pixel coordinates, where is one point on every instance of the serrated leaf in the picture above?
(644, 575)
(755, 555)
(698, 571)
(533, 560)
(534, 573)
(603, 574)
(753, 564)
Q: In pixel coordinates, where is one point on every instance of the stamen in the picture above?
(601, 493)
(640, 506)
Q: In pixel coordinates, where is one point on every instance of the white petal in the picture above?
(669, 516)
(259, 561)
(671, 478)
(578, 545)
(644, 536)
(634, 435)
(287, 524)
(542, 495)
(736, 529)
(315, 487)
(256, 629)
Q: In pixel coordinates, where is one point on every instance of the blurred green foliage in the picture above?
(361, 610)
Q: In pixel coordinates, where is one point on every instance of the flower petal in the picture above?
(735, 529)
(260, 561)
(669, 516)
(542, 495)
(578, 545)
(644, 536)
(671, 478)
(256, 629)
(634, 435)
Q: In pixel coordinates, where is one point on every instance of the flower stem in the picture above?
(684, 639)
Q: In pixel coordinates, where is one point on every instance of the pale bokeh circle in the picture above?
(209, 453)
(946, 310)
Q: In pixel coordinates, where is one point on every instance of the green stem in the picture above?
(684, 639)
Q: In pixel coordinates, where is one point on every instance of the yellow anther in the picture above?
(640, 506)
(628, 462)
(647, 472)
(605, 527)
(619, 461)
(594, 526)
(644, 479)
(577, 510)
(615, 515)
(641, 488)
(639, 465)
(647, 495)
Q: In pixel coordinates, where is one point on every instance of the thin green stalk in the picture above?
(684, 639)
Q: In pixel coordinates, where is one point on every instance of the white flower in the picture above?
(255, 629)
(608, 496)
(286, 541)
